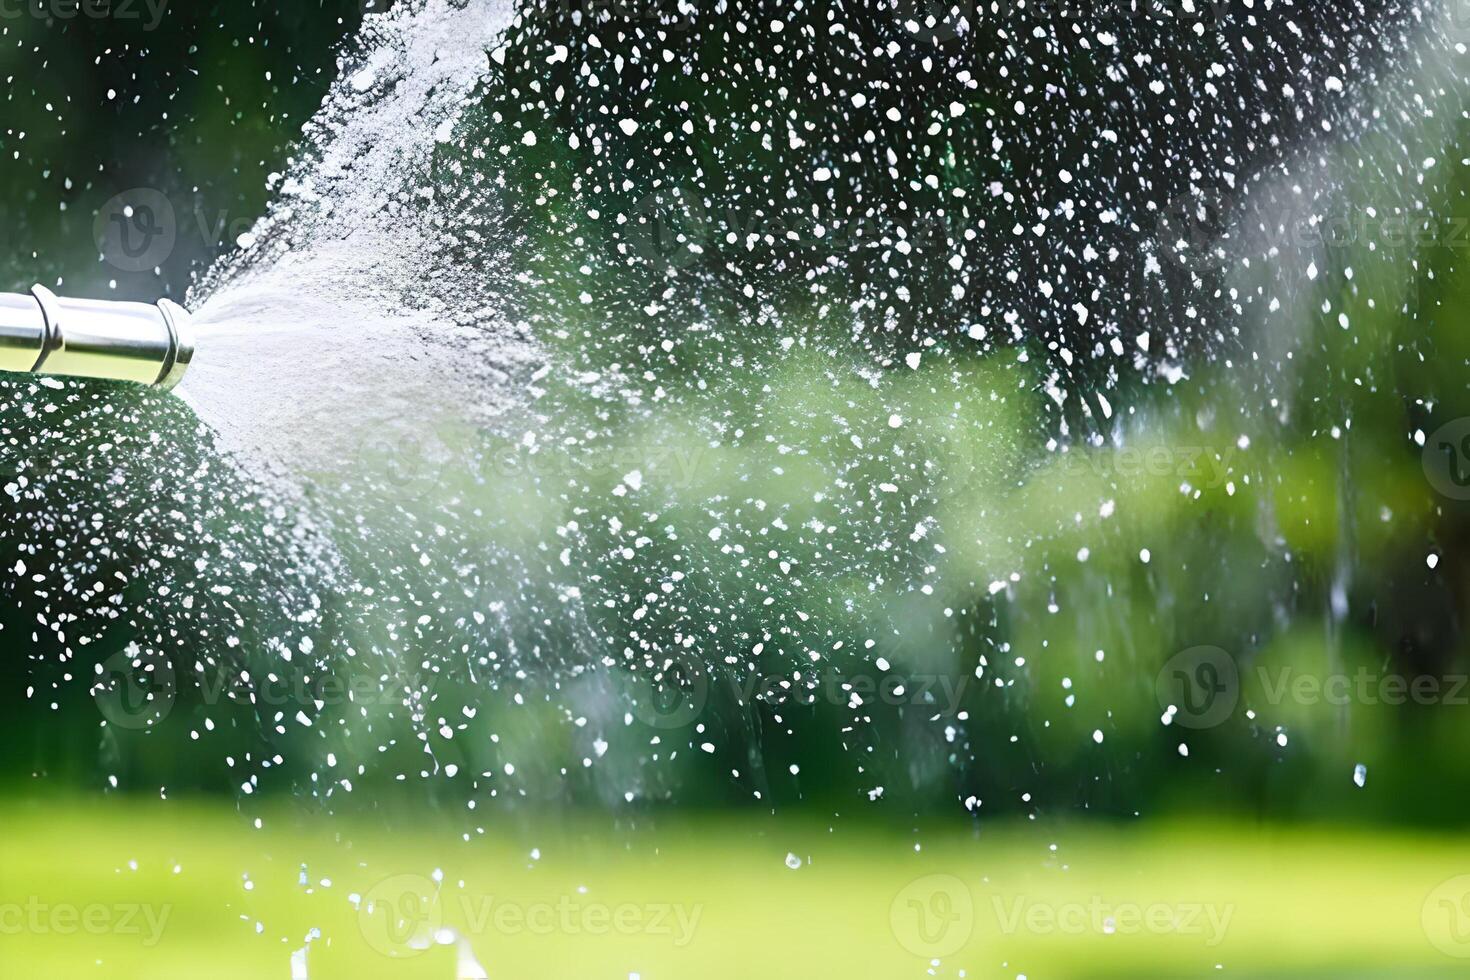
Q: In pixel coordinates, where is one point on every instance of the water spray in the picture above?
(41, 333)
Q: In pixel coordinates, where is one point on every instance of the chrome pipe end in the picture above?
(45, 334)
(181, 332)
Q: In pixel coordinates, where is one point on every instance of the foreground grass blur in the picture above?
(181, 890)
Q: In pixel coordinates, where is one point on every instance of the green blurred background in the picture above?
(1291, 519)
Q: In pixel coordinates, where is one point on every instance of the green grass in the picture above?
(1303, 902)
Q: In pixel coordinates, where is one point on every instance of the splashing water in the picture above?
(295, 374)
(665, 388)
(340, 325)
(898, 408)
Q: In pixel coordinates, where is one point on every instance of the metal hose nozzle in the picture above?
(41, 333)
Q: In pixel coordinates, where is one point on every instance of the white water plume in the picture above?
(339, 324)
